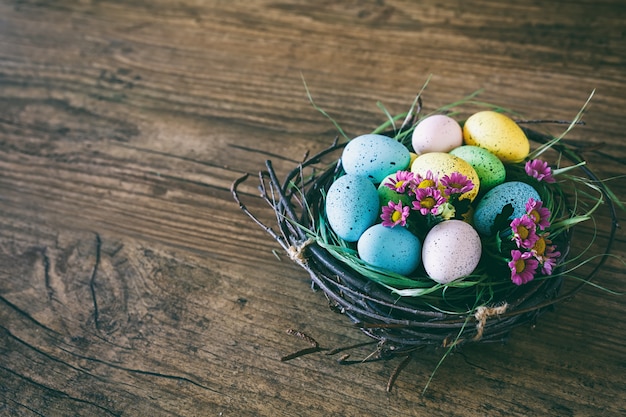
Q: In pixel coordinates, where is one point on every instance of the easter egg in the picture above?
(497, 133)
(374, 156)
(392, 248)
(491, 204)
(451, 250)
(441, 163)
(489, 168)
(436, 133)
(351, 206)
(387, 194)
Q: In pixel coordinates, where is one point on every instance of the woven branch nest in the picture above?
(400, 324)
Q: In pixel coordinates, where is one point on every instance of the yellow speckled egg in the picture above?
(442, 163)
(497, 133)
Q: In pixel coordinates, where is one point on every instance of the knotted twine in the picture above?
(482, 314)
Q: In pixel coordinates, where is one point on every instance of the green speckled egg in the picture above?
(489, 168)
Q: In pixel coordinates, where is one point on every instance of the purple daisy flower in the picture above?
(428, 200)
(456, 183)
(540, 170)
(524, 231)
(428, 181)
(394, 214)
(546, 254)
(401, 181)
(539, 214)
(523, 267)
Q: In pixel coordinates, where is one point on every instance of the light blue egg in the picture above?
(374, 156)
(392, 248)
(351, 206)
(490, 169)
(515, 193)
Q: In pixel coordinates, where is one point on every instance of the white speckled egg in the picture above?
(351, 206)
(374, 156)
(489, 168)
(392, 248)
(491, 204)
(451, 250)
(436, 133)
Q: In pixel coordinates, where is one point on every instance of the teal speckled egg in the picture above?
(374, 156)
(491, 204)
(392, 248)
(351, 206)
(489, 168)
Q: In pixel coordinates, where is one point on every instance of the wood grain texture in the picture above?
(132, 285)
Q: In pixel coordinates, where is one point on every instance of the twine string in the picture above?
(482, 314)
(296, 253)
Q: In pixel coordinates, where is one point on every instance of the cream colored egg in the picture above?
(451, 250)
(442, 163)
(436, 133)
(497, 133)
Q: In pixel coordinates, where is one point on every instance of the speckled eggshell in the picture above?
(374, 156)
(386, 194)
(351, 206)
(491, 204)
(442, 163)
(489, 168)
(497, 133)
(392, 248)
(436, 133)
(451, 250)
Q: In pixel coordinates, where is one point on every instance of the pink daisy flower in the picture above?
(539, 214)
(394, 214)
(428, 181)
(456, 183)
(524, 231)
(546, 254)
(428, 200)
(540, 170)
(523, 267)
(401, 181)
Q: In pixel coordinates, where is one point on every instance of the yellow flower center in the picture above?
(520, 265)
(540, 246)
(523, 232)
(399, 184)
(426, 184)
(428, 202)
(535, 216)
(395, 216)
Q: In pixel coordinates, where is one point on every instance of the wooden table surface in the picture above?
(132, 285)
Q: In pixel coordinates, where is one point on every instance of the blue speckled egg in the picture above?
(392, 248)
(374, 156)
(491, 204)
(489, 168)
(351, 206)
